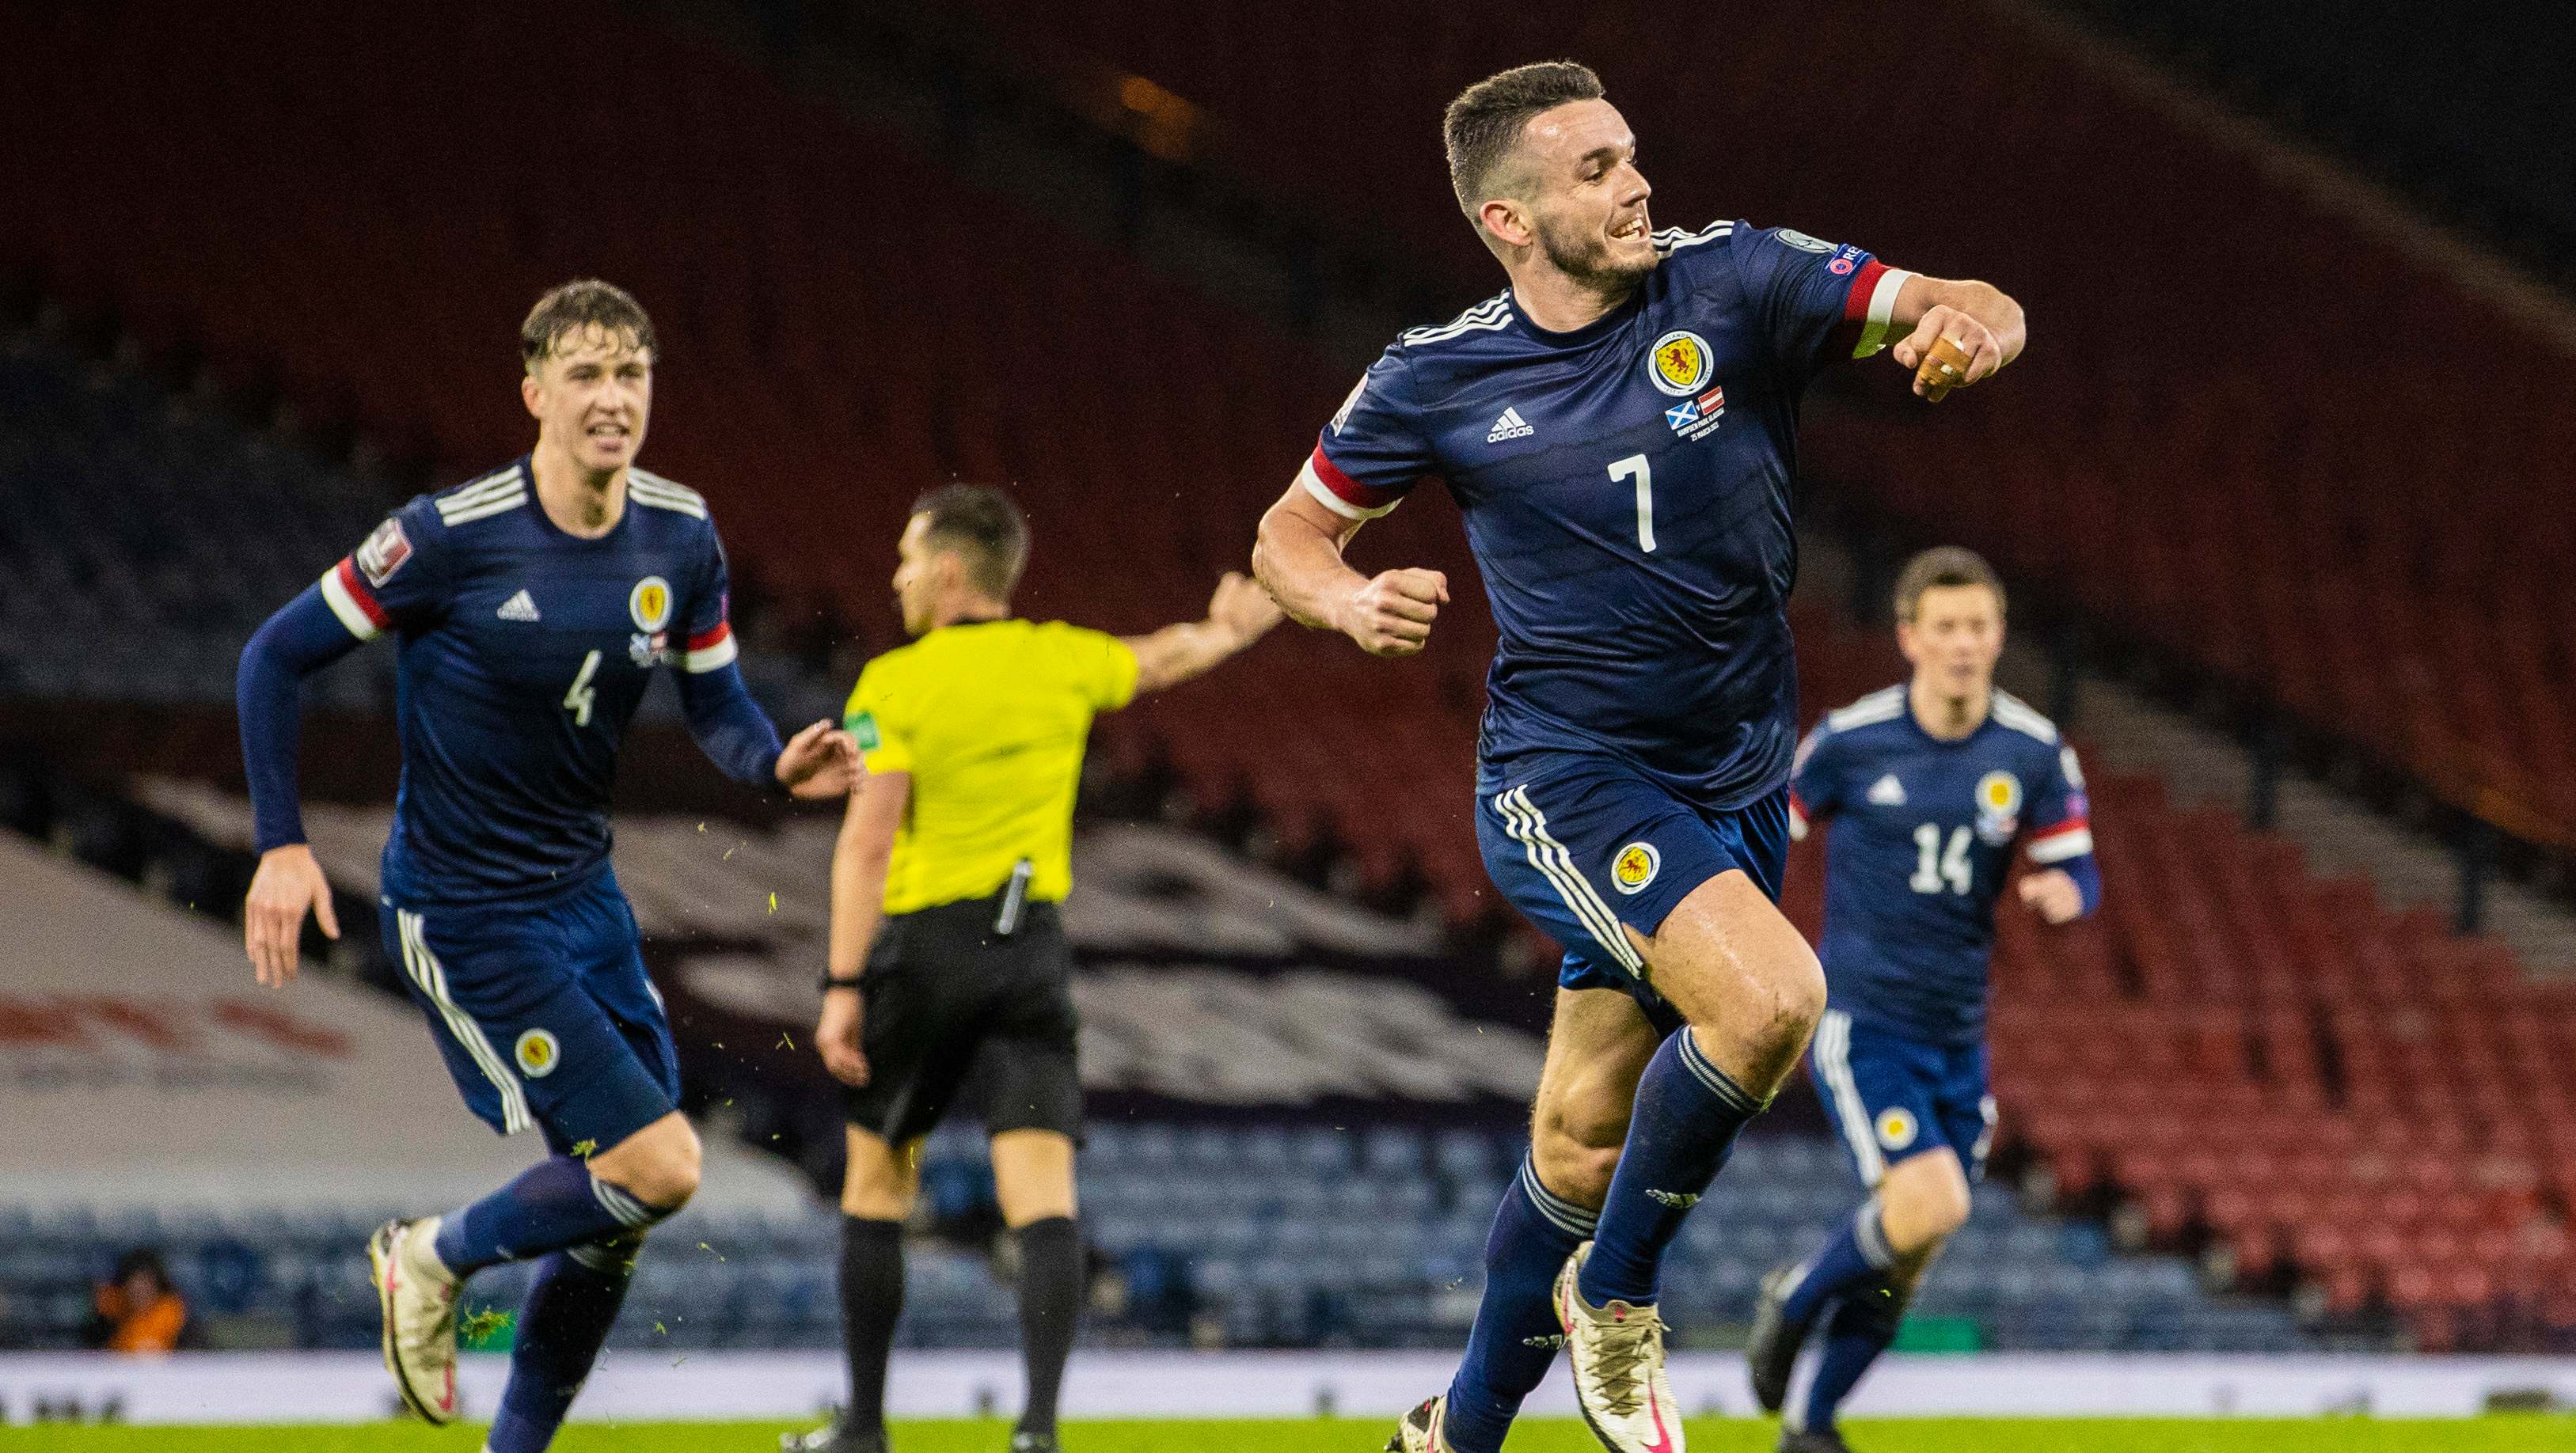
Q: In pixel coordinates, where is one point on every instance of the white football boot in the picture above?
(1617, 1355)
(418, 1297)
(1420, 1430)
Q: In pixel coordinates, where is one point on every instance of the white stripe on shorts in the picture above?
(426, 972)
(1833, 1057)
(1528, 827)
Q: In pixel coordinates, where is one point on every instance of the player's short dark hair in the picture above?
(1485, 122)
(574, 307)
(986, 530)
(1944, 565)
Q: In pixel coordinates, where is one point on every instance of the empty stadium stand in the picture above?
(2384, 98)
(143, 537)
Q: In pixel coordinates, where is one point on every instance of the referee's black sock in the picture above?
(871, 1301)
(1050, 1300)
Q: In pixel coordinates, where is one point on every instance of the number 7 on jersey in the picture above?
(1636, 467)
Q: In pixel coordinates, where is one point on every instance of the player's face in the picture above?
(1954, 640)
(592, 396)
(1586, 198)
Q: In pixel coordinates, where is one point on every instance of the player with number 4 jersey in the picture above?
(1619, 429)
(1932, 787)
(533, 607)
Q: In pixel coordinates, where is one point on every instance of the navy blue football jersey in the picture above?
(524, 653)
(1923, 834)
(1626, 488)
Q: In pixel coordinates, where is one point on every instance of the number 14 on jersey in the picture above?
(1936, 866)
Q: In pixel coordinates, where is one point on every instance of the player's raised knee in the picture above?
(1952, 1209)
(1777, 1011)
(657, 1165)
(1923, 1201)
(676, 1169)
(1580, 1173)
(1801, 988)
(1575, 1153)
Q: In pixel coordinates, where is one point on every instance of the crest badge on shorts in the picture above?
(538, 1053)
(650, 603)
(1896, 1127)
(1635, 867)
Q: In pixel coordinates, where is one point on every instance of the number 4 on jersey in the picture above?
(1935, 866)
(577, 701)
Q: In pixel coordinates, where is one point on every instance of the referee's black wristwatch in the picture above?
(828, 982)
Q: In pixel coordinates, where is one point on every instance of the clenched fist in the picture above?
(1391, 615)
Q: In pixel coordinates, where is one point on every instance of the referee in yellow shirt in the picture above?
(949, 967)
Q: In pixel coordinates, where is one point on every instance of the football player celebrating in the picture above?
(1618, 428)
(533, 606)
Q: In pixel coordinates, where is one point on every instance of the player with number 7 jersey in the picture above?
(1627, 491)
(1619, 429)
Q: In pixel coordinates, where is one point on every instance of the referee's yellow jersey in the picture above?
(990, 718)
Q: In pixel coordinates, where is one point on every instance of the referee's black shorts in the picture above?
(956, 1009)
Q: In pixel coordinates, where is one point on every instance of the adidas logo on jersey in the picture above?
(520, 607)
(1509, 426)
(1887, 791)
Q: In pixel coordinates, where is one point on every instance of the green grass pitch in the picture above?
(1926, 1435)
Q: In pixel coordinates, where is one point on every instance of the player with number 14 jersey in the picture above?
(1932, 788)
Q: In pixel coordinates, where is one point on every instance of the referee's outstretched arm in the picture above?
(1239, 614)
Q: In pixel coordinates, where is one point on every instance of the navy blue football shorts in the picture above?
(1583, 843)
(1892, 1096)
(544, 1012)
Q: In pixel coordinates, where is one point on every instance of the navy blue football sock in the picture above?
(566, 1317)
(1857, 1256)
(553, 1204)
(1688, 1111)
(1516, 1333)
(1862, 1326)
